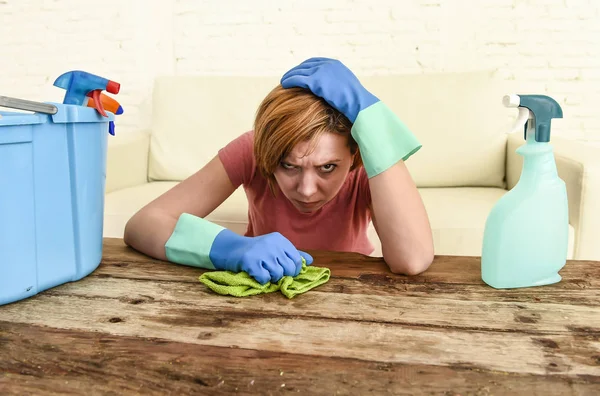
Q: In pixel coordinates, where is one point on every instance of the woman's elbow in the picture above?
(134, 229)
(129, 232)
(413, 265)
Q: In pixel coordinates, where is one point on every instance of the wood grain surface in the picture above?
(143, 326)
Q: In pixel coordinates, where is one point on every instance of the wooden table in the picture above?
(142, 326)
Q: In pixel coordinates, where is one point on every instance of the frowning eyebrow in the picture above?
(323, 164)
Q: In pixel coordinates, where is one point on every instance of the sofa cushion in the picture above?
(193, 117)
(122, 204)
(458, 215)
(460, 120)
(458, 117)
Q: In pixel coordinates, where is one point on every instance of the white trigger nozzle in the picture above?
(520, 121)
(511, 100)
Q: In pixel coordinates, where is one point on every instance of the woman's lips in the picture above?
(308, 204)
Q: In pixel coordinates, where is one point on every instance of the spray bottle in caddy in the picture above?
(85, 89)
(525, 239)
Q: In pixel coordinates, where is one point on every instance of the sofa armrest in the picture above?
(127, 160)
(578, 165)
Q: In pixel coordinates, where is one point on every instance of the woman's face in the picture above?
(310, 181)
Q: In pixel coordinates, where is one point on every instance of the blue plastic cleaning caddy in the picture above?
(52, 184)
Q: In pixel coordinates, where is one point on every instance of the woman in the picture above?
(324, 159)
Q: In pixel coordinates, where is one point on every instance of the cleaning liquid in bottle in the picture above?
(526, 234)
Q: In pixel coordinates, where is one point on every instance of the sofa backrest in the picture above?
(458, 117)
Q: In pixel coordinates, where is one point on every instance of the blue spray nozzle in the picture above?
(79, 85)
(542, 109)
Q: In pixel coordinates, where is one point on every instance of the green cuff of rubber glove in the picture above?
(191, 241)
(383, 138)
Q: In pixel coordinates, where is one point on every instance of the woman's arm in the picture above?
(401, 221)
(150, 228)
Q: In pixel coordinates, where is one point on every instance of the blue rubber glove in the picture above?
(332, 81)
(265, 258)
(200, 243)
(382, 137)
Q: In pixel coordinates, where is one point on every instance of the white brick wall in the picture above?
(547, 46)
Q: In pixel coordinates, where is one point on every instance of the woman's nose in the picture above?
(307, 187)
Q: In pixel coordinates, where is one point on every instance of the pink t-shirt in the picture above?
(340, 225)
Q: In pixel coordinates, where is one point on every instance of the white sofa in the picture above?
(466, 164)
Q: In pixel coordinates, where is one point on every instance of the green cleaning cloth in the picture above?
(243, 285)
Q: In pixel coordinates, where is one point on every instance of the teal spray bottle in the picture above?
(525, 238)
